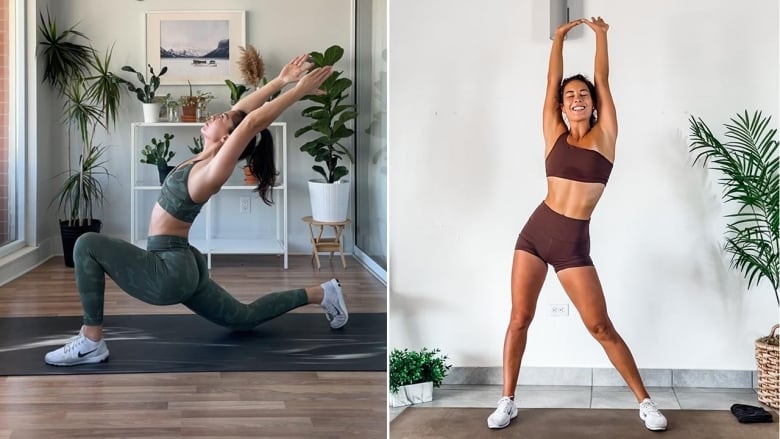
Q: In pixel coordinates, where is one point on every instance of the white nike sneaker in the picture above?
(78, 350)
(506, 411)
(333, 303)
(648, 412)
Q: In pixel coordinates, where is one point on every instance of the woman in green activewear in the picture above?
(170, 270)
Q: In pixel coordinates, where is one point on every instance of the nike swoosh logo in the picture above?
(86, 353)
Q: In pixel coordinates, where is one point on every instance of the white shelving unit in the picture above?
(221, 227)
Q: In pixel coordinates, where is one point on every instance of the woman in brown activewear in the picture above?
(578, 162)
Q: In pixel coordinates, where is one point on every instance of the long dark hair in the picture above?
(259, 156)
(591, 89)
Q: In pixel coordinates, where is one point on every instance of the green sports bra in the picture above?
(175, 198)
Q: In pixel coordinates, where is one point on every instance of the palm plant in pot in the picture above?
(91, 95)
(748, 165)
(329, 118)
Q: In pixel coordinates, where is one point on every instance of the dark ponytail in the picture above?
(259, 156)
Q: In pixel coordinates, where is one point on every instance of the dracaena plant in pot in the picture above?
(747, 163)
(145, 92)
(90, 95)
(330, 115)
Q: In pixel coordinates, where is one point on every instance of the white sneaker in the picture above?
(78, 350)
(506, 411)
(648, 412)
(333, 303)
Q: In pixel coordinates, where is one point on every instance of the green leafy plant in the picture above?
(158, 153)
(329, 118)
(198, 148)
(64, 58)
(81, 190)
(748, 164)
(145, 92)
(91, 94)
(412, 367)
(236, 91)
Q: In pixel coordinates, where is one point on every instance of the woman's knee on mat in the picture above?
(87, 242)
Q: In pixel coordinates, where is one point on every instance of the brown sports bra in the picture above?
(578, 164)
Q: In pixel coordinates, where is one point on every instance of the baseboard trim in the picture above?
(581, 376)
(27, 259)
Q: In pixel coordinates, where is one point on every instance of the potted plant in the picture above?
(145, 93)
(236, 91)
(197, 147)
(414, 374)
(329, 116)
(91, 95)
(159, 154)
(748, 163)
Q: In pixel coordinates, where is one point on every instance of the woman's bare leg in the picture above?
(528, 274)
(584, 289)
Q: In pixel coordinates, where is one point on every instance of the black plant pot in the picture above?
(164, 170)
(71, 233)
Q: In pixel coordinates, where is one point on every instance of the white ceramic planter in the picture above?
(152, 112)
(329, 201)
(412, 394)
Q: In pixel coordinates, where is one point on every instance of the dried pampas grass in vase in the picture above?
(250, 63)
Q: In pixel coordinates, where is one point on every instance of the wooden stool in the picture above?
(321, 243)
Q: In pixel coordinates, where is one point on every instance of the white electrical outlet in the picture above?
(559, 310)
(244, 205)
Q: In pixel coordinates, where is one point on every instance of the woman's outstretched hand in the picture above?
(295, 69)
(597, 24)
(310, 83)
(566, 27)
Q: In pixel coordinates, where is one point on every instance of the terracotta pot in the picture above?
(249, 178)
(189, 110)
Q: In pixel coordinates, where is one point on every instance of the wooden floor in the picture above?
(217, 405)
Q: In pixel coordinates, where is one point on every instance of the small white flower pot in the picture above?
(329, 201)
(152, 112)
(412, 394)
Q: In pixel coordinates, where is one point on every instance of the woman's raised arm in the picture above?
(607, 115)
(552, 121)
(222, 166)
(292, 72)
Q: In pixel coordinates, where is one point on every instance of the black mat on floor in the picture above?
(188, 343)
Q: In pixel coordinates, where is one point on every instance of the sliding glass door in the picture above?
(371, 134)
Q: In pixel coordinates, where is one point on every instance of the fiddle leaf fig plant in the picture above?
(748, 163)
(236, 91)
(329, 117)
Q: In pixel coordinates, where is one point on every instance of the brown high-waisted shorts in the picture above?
(558, 240)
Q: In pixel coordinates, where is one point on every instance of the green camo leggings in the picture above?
(170, 271)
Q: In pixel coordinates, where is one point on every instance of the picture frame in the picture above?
(199, 46)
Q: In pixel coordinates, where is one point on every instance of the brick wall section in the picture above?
(4, 69)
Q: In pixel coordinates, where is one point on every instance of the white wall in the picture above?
(466, 170)
(279, 29)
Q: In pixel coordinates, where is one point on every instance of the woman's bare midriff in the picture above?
(573, 199)
(162, 223)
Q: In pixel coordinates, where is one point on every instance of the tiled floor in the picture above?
(668, 398)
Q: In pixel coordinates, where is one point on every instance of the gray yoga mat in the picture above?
(430, 422)
(188, 343)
